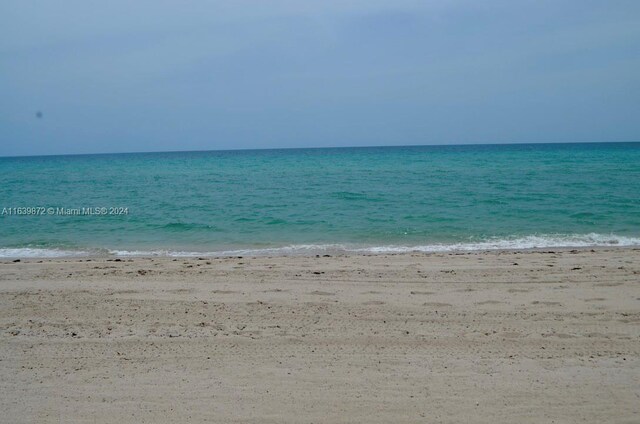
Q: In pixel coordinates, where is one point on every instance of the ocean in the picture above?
(312, 201)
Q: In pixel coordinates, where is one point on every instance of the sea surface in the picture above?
(311, 201)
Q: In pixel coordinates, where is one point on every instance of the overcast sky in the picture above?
(80, 76)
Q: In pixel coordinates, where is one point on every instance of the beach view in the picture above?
(383, 212)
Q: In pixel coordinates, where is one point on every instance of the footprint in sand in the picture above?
(179, 291)
(559, 335)
(116, 292)
(437, 304)
(538, 302)
(321, 293)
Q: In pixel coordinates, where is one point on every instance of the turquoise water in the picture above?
(307, 201)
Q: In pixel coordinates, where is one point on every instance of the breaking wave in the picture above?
(511, 243)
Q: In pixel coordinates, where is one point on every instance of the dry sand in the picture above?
(497, 337)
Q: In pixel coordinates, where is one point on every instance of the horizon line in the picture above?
(319, 148)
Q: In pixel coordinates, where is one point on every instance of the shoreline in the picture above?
(489, 337)
(301, 252)
(327, 253)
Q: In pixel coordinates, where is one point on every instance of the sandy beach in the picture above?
(493, 337)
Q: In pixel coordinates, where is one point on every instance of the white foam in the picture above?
(528, 242)
(299, 249)
(29, 252)
(513, 243)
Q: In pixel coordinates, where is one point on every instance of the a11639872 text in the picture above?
(64, 211)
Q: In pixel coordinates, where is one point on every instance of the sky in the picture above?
(80, 76)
